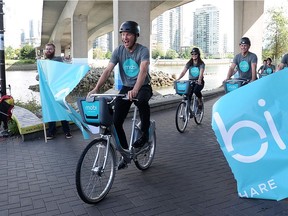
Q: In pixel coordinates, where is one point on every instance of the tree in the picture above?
(276, 34)
(171, 54)
(158, 52)
(98, 53)
(9, 53)
(27, 52)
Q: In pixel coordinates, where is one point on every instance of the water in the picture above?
(21, 80)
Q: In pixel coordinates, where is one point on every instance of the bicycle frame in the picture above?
(110, 134)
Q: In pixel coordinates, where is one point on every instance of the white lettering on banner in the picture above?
(227, 135)
(58, 97)
(260, 189)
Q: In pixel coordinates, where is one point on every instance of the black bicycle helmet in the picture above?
(245, 40)
(195, 50)
(130, 26)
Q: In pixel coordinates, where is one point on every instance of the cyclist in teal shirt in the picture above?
(269, 68)
(133, 60)
(245, 61)
(196, 68)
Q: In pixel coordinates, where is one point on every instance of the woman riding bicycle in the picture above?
(196, 69)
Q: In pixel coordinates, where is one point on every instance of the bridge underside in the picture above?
(57, 15)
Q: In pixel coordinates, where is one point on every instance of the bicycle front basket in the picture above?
(182, 87)
(231, 85)
(96, 112)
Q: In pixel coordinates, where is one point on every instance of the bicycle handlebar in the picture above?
(123, 96)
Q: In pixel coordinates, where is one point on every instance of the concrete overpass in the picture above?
(72, 25)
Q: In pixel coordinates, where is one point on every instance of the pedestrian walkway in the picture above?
(189, 176)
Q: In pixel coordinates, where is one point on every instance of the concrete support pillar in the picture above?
(141, 14)
(90, 52)
(67, 52)
(248, 22)
(57, 48)
(79, 37)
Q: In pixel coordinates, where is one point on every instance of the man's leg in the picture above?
(51, 130)
(66, 129)
(121, 110)
(144, 95)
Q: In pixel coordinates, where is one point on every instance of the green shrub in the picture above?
(13, 128)
(31, 105)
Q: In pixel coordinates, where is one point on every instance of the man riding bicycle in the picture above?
(245, 61)
(134, 60)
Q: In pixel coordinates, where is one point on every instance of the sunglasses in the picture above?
(194, 53)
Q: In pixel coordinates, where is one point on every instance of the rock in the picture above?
(158, 79)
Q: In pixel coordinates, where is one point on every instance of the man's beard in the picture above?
(50, 55)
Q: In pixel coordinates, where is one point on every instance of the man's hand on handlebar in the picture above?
(132, 94)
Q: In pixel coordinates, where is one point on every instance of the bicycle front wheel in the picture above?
(181, 118)
(95, 172)
(144, 160)
(198, 115)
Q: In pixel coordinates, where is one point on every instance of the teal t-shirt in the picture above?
(244, 64)
(129, 63)
(194, 71)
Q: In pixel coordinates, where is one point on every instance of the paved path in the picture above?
(189, 176)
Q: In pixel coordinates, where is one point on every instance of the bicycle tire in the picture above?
(199, 114)
(144, 160)
(92, 181)
(182, 117)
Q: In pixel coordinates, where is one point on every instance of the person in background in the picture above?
(283, 63)
(49, 54)
(262, 66)
(196, 68)
(245, 61)
(133, 59)
(269, 68)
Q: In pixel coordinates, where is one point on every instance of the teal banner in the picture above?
(251, 127)
(56, 81)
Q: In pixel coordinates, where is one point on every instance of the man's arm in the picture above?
(280, 66)
(230, 71)
(140, 79)
(254, 73)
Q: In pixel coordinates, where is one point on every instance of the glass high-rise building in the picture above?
(168, 29)
(206, 29)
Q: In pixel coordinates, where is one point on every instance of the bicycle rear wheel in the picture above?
(199, 114)
(144, 160)
(94, 177)
(181, 118)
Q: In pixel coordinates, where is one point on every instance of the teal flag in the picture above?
(56, 81)
(251, 126)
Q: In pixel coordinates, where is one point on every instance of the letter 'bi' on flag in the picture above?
(251, 126)
(56, 81)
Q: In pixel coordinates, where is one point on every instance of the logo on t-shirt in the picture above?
(268, 70)
(244, 66)
(131, 68)
(194, 71)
